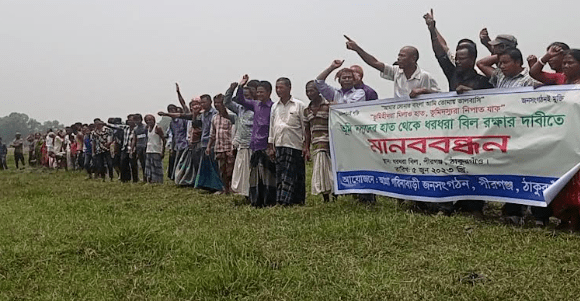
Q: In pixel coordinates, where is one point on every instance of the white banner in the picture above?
(502, 145)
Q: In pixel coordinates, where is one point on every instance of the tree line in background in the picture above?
(21, 123)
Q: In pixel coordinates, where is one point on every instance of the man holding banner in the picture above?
(462, 77)
(510, 74)
(347, 94)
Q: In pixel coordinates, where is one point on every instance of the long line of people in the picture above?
(248, 144)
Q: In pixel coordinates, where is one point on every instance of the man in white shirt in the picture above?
(286, 145)
(408, 78)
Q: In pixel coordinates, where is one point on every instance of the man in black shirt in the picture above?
(462, 77)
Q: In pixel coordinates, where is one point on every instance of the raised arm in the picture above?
(188, 116)
(369, 59)
(484, 39)
(116, 126)
(333, 66)
(228, 103)
(181, 100)
(538, 65)
(240, 94)
(486, 64)
(325, 89)
(437, 42)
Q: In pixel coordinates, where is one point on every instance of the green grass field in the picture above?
(66, 238)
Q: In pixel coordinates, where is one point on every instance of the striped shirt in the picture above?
(522, 79)
(318, 126)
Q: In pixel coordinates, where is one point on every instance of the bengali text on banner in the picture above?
(501, 145)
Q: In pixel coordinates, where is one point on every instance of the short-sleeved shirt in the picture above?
(318, 127)
(522, 79)
(404, 85)
(468, 78)
(101, 139)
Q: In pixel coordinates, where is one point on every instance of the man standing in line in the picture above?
(510, 74)
(3, 153)
(462, 77)
(316, 134)
(18, 145)
(103, 138)
(127, 165)
(178, 128)
(245, 118)
(221, 138)
(262, 168)
(286, 145)
(139, 143)
(207, 176)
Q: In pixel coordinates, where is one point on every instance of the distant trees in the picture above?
(21, 123)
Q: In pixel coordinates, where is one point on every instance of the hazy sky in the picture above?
(75, 60)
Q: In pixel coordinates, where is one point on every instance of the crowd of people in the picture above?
(248, 144)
